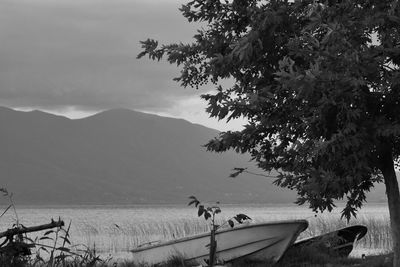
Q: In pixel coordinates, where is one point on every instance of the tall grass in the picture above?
(378, 236)
(115, 231)
(115, 238)
(119, 238)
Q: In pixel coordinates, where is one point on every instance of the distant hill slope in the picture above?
(121, 157)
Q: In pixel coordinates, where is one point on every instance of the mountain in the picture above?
(122, 157)
(119, 157)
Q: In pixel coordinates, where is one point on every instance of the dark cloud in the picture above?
(82, 53)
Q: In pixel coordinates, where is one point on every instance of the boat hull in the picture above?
(339, 242)
(264, 241)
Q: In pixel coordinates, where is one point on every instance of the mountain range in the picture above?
(122, 156)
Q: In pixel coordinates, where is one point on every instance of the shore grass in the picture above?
(378, 238)
(125, 237)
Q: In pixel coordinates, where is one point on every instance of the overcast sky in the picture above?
(76, 57)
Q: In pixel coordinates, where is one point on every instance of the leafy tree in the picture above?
(318, 82)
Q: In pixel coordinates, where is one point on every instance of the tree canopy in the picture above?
(318, 82)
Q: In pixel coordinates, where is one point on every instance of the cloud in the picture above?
(192, 109)
(82, 53)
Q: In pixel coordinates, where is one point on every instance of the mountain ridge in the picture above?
(121, 156)
(116, 156)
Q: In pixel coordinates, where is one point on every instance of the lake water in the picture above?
(116, 229)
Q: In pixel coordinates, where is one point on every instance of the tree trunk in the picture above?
(392, 192)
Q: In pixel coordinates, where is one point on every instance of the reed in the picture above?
(112, 239)
(377, 237)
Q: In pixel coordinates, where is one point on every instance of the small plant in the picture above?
(13, 250)
(11, 205)
(52, 249)
(210, 212)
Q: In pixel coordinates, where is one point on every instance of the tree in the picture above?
(318, 82)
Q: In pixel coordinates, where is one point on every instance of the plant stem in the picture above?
(213, 242)
(15, 210)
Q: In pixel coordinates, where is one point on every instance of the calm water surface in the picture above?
(116, 229)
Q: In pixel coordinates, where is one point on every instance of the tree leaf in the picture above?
(201, 210)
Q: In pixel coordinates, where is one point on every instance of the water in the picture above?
(116, 229)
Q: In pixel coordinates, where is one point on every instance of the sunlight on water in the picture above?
(116, 229)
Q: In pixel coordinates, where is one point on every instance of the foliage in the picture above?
(318, 82)
(11, 205)
(52, 249)
(211, 212)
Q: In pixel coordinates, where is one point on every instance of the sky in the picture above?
(78, 57)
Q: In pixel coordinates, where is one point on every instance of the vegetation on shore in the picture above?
(378, 237)
(131, 235)
(54, 248)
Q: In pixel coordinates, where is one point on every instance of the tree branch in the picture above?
(244, 170)
(16, 231)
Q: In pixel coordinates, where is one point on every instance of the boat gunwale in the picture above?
(310, 238)
(240, 227)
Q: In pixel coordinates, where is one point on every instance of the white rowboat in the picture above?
(263, 241)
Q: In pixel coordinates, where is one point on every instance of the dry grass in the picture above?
(378, 238)
(125, 237)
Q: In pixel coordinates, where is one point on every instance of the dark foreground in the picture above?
(384, 260)
(309, 256)
(290, 261)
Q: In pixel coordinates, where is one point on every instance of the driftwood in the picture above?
(15, 248)
(22, 230)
